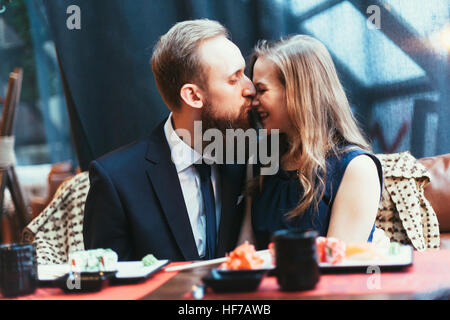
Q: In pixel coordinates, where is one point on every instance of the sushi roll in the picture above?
(330, 250)
(95, 260)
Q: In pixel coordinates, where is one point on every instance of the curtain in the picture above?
(112, 99)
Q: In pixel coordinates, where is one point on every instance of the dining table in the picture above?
(429, 272)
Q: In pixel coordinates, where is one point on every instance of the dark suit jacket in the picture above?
(135, 205)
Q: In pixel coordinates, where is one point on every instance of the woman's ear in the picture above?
(191, 95)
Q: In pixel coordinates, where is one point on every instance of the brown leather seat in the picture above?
(60, 172)
(438, 190)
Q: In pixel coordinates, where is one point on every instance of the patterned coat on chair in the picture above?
(58, 229)
(404, 213)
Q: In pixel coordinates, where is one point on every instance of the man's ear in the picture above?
(192, 95)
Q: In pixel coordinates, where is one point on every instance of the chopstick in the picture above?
(205, 263)
(196, 264)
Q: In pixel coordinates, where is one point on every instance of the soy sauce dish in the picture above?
(222, 280)
(84, 282)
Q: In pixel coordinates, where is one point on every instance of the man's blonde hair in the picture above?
(175, 60)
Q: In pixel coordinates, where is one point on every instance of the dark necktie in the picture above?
(209, 207)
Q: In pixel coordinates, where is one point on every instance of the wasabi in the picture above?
(394, 248)
(149, 260)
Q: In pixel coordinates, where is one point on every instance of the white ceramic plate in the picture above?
(125, 270)
(135, 269)
(403, 259)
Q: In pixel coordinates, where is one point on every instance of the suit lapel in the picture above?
(163, 176)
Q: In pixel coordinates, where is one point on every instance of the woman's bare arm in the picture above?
(356, 204)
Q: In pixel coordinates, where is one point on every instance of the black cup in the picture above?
(18, 269)
(297, 267)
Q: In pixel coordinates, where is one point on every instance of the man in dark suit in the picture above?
(163, 195)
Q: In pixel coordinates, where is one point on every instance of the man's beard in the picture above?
(210, 119)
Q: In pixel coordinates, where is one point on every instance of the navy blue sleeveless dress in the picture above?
(281, 192)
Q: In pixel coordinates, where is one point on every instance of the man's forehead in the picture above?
(219, 53)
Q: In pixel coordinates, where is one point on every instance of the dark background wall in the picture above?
(112, 98)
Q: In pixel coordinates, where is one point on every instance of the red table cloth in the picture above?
(430, 271)
(113, 292)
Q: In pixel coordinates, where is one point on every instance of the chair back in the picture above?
(11, 101)
(8, 176)
(438, 190)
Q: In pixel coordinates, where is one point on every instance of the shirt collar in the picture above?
(183, 156)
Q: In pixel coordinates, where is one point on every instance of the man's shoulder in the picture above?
(124, 155)
(130, 156)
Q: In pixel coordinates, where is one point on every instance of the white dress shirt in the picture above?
(184, 157)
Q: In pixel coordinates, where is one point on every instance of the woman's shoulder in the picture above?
(339, 161)
(343, 155)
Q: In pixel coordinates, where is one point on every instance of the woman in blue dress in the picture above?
(328, 179)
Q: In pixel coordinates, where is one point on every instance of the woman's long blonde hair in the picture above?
(317, 108)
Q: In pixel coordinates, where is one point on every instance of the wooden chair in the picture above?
(8, 177)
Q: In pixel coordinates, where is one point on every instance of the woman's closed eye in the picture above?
(261, 90)
(260, 87)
